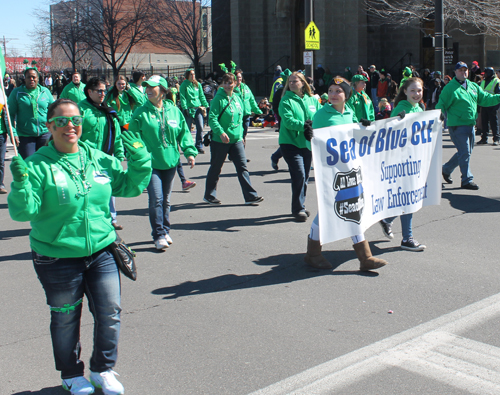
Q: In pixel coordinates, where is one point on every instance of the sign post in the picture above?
(308, 58)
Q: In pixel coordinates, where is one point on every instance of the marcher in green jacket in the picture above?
(192, 98)
(459, 100)
(123, 99)
(248, 99)
(138, 77)
(225, 119)
(360, 102)
(333, 113)
(297, 108)
(63, 190)
(75, 89)
(163, 128)
(28, 106)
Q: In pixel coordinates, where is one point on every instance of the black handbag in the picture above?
(207, 139)
(124, 257)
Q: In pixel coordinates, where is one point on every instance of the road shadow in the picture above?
(9, 234)
(4, 205)
(22, 256)
(472, 203)
(286, 269)
(227, 225)
(44, 391)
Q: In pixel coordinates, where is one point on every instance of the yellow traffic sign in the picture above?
(312, 36)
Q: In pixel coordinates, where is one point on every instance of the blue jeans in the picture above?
(198, 121)
(3, 150)
(218, 154)
(299, 166)
(112, 209)
(406, 224)
(463, 138)
(246, 124)
(180, 172)
(277, 155)
(29, 145)
(159, 191)
(374, 99)
(66, 281)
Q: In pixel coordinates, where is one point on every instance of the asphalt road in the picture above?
(231, 308)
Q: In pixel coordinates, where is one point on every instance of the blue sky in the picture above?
(16, 21)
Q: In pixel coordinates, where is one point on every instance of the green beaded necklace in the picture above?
(79, 174)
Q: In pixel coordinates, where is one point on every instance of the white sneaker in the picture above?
(169, 239)
(161, 243)
(78, 386)
(107, 382)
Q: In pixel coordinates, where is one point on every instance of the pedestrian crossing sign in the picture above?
(312, 36)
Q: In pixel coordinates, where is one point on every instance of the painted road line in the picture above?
(403, 350)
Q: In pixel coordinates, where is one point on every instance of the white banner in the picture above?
(365, 174)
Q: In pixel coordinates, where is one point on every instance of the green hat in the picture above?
(324, 96)
(285, 74)
(407, 72)
(358, 77)
(156, 80)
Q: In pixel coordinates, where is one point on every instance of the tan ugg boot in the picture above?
(367, 261)
(314, 257)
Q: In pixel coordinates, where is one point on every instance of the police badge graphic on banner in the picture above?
(365, 174)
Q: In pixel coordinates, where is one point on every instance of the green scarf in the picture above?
(34, 93)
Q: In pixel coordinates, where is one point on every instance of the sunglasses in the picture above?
(61, 122)
(99, 91)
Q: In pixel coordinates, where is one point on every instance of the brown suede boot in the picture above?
(314, 257)
(367, 261)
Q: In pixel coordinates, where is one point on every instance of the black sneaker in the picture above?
(471, 185)
(201, 150)
(412, 245)
(255, 201)
(482, 142)
(300, 216)
(211, 200)
(447, 178)
(387, 229)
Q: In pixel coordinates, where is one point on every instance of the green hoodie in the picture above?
(231, 120)
(294, 111)
(460, 104)
(73, 92)
(248, 99)
(329, 116)
(95, 129)
(146, 121)
(192, 97)
(139, 96)
(21, 111)
(126, 105)
(407, 107)
(362, 105)
(64, 226)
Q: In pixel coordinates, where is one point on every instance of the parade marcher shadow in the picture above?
(227, 225)
(22, 256)
(472, 203)
(58, 390)
(287, 268)
(9, 234)
(4, 205)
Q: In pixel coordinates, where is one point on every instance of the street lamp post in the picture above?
(439, 34)
(309, 16)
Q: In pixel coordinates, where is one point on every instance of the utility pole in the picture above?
(5, 44)
(308, 17)
(439, 37)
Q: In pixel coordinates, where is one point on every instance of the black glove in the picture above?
(442, 117)
(365, 122)
(308, 130)
(402, 114)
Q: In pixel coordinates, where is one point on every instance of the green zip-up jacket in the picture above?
(21, 112)
(329, 116)
(3, 122)
(95, 129)
(246, 95)
(231, 120)
(362, 105)
(73, 92)
(294, 111)
(192, 97)
(138, 95)
(407, 107)
(64, 226)
(460, 104)
(163, 148)
(126, 106)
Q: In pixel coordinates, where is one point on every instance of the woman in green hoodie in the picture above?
(64, 190)
(163, 129)
(226, 120)
(249, 103)
(28, 106)
(123, 99)
(297, 108)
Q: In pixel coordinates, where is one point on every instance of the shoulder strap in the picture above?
(227, 105)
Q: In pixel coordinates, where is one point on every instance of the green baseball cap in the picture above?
(156, 80)
(358, 77)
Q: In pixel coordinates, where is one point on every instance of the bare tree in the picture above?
(472, 17)
(117, 26)
(183, 26)
(40, 46)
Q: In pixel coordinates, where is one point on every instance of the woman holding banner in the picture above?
(407, 102)
(335, 112)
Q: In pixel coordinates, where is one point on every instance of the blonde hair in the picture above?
(305, 87)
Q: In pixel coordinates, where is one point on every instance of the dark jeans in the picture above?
(198, 121)
(299, 166)
(277, 155)
(159, 191)
(180, 172)
(218, 154)
(463, 138)
(65, 281)
(3, 150)
(489, 117)
(246, 123)
(29, 145)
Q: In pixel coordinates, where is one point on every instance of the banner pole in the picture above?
(11, 134)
